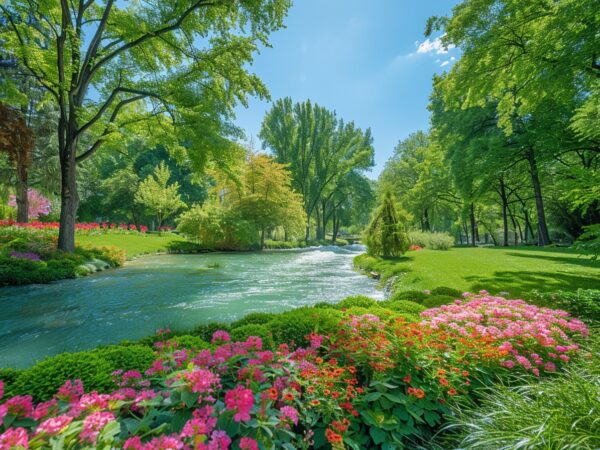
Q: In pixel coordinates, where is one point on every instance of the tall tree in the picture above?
(16, 139)
(385, 236)
(154, 67)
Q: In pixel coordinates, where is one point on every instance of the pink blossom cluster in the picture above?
(37, 204)
(531, 337)
(80, 226)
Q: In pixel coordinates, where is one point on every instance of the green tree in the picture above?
(172, 70)
(385, 236)
(160, 197)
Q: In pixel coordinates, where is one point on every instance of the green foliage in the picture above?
(415, 296)
(583, 303)
(433, 241)
(257, 318)
(560, 411)
(442, 290)
(158, 196)
(589, 242)
(296, 324)
(404, 306)
(205, 332)
(187, 341)
(243, 332)
(385, 235)
(357, 300)
(433, 301)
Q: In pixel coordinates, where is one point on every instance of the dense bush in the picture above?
(583, 303)
(415, 296)
(206, 331)
(442, 290)
(385, 236)
(245, 331)
(433, 301)
(293, 326)
(405, 306)
(433, 241)
(94, 368)
(357, 300)
(258, 318)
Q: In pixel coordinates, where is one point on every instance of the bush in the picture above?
(405, 306)
(296, 324)
(415, 296)
(258, 318)
(385, 235)
(189, 342)
(357, 300)
(280, 245)
(94, 368)
(245, 331)
(184, 247)
(433, 241)
(433, 301)
(583, 303)
(205, 332)
(442, 290)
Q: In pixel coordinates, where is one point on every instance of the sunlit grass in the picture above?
(133, 244)
(514, 269)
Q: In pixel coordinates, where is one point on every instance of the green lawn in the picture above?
(133, 244)
(514, 270)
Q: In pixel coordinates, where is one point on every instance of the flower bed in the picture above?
(79, 227)
(376, 382)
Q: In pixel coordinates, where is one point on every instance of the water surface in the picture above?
(177, 291)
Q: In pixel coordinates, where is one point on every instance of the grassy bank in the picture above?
(514, 269)
(133, 244)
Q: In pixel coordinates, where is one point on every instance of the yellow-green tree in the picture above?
(158, 196)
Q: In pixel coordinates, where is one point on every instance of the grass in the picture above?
(133, 244)
(515, 269)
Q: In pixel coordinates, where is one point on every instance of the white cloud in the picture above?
(445, 63)
(436, 46)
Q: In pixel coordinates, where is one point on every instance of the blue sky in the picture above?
(368, 60)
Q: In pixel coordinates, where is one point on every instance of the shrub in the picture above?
(205, 332)
(385, 235)
(258, 318)
(583, 303)
(405, 306)
(245, 331)
(293, 326)
(325, 305)
(430, 240)
(193, 343)
(131, 357)
(433, 301)
(442, 290)
(184, 247)
(357, 300)
(415, 296)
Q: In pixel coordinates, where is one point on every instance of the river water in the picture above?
(176, 291)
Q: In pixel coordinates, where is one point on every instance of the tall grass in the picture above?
(562, 412)
(433, 241)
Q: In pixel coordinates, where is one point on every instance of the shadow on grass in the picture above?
(519, 282)
(582, 261)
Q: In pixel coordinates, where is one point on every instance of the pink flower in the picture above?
(94, 424)
(509, 363)
(220, 336)
(161, 443)
(550, 366)
(20, 406)
(202, 381)
(54, 425)
(70, 391)
(241, 400)
(289, 413)
(219, 441)
(14, 438)
(1, 389)
(37, 204)
(198, 426)
(247, 443)
(133, 443)
(44, 409)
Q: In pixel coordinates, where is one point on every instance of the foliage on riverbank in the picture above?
(357, 374)
(31, 256)
(516, 270)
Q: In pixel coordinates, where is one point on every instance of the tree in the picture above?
(16, 139)
(161, 198)
(263, 195)
(321, 151)
(172, 70)
(385, 236)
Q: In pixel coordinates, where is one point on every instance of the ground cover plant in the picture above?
(347, 378)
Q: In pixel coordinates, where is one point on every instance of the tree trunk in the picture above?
(335, 230)
(426, 223)
(473, 225)
(319, 232)
(504, 212)
(69, 200)
(21, 197)
(543, 238)
(262, 238)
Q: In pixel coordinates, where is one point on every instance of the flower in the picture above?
(241, 400)
(14, 438)
(1, 389)
(220, 336)
(94, 424)
(219, 441)
(54, 425)
(37, 204)
(289, 413)
(247, 443)
(202, 380)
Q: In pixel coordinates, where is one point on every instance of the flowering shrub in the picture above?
(37, 204)
(536, 339)
(79, 227)
(373, 382)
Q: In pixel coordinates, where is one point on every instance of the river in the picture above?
(176, 291)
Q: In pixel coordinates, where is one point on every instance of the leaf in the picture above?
(377, 434)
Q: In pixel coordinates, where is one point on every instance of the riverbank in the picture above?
(515, 270)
